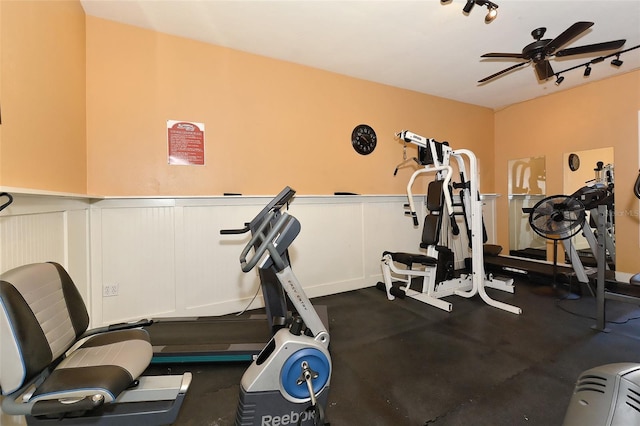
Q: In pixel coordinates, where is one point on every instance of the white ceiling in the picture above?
(425, 46)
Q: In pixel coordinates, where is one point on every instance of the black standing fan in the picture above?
(557, 218)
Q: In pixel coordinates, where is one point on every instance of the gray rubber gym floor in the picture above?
(406, 363)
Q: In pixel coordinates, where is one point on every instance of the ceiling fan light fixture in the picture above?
(617, 62)
(587, 70)
(559, 79)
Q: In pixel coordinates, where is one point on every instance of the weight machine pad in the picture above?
(409, 259)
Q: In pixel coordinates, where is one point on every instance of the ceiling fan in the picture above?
(541, 50)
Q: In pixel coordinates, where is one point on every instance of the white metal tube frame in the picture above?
(474, 213)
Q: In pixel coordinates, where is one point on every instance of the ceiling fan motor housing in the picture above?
(536, 50)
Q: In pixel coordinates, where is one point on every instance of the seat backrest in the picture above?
(433, 220)
(42, 314)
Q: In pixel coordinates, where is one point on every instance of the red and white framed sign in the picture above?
(185, 142)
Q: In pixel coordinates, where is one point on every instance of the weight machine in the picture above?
(435, 270)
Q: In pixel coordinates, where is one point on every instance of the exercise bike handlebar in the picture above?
(236, 231)
(265, 243)
(6, 203)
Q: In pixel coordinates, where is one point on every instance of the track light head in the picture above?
(491, 7)
(559, 79)
(587, 70)
(617, 62)
(493, 13)
(445, 1)
(467, 7)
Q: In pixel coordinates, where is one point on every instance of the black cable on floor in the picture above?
(557, 303)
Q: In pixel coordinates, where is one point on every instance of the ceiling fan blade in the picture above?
(503, 55)
(544, 70)
(569, 34)
(503, 71)
(591, 48)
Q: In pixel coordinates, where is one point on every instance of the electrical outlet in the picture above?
(110, 290)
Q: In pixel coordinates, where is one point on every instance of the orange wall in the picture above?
(94, 122)
(596, 115)
(43, 136)
(268, 123)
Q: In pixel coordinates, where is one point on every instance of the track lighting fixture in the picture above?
(467, 7)
(617, 62)
(492, 8)
(587, 71)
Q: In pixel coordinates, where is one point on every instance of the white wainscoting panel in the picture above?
(134, 251)
(328, 250)
(41, 228)
(166, 256)
(32, 238)
(210, 280)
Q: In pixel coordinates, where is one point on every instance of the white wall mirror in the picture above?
(527, 186)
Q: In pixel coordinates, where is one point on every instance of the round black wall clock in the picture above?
(574, 162)
(363, 139)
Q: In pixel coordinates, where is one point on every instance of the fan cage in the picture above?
(557, 217)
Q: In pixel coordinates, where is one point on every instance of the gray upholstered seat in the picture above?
(42, 316)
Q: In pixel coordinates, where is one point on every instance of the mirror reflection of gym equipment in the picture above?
(586, 168)
(527, 186)
(571, 258)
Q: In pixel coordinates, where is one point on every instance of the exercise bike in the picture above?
(288, 382)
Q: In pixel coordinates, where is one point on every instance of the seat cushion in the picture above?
(104, 364)
(409, 259)
(41, 316)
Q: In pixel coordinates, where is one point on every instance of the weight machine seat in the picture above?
(409, 259)
(42, 316)
(635, 280)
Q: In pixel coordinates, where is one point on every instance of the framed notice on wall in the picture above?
(185, 142)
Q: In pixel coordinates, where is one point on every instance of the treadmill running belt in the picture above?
(207, 339)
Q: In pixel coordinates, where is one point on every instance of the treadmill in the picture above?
(228, 338)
